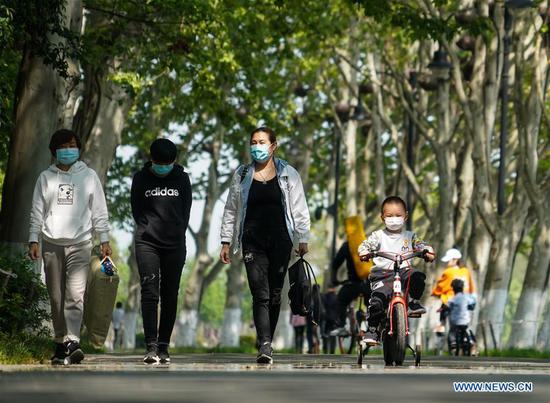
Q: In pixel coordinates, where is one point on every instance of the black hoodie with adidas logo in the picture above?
(161, 207)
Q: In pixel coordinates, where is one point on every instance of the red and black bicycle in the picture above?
(395, 326)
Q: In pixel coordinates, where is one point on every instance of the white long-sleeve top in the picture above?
(68, 206)
(385, 241)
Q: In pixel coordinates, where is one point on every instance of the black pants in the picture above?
(160, 273)
(456, 332)
(329, 342)
(444, 313)
(117, 341)
(381, 282)
(266, 255)
(349, 292)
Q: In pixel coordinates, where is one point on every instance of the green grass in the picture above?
(518, 353)
(89, 348)
(507, 353)
(24, 349)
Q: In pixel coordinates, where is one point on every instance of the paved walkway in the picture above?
(293, 378)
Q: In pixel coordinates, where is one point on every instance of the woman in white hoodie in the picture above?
(68, 204)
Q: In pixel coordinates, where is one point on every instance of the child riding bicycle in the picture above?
(461, 306)
(395, 239)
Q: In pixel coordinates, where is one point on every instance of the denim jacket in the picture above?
(294, 204)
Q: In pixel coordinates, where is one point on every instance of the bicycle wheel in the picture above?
(388, 348)
(399, 336)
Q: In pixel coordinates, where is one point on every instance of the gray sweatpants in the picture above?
(66, 269)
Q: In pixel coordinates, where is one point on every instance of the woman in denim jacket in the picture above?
(266, 213)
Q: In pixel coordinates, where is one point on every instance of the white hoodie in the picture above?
(67, 206)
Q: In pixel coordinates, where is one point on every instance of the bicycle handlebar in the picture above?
(396, 257)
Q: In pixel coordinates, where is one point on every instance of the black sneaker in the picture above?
(59, 354)
(265, 355)
(372, 336)
(163, 355)
(73, 352)
(415, 308)
(151, 355)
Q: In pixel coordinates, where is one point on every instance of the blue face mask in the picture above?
(162, 170)
(260, 152)
(67, 156)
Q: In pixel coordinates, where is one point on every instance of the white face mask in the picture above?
(394, 223)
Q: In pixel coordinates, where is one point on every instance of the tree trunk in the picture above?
(232, 319)
(134, 301)
(36, 118)
(283, 337)
(377, 130)
(349, 91)
(329, 218)
(189, 315)
(41, 97)
(465, 188)
(503, 254)
(479, 251)
(543, 337)
(365, 186)
(101, 142)
(72, 88)
(530, 304)
(446, 165)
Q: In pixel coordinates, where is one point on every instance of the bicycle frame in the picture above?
(394, 340)
(397, 296)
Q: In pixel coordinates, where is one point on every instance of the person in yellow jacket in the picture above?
(443, 288)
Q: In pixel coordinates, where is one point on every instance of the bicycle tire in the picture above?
(388, 349)
(399, 335)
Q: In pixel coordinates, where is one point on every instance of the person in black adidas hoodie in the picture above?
(161, 203)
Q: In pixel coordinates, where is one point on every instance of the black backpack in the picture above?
(304, 293)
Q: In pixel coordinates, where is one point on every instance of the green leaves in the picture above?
(23, 298)
(418, 24)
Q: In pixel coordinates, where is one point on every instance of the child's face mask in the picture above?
(394, 223)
